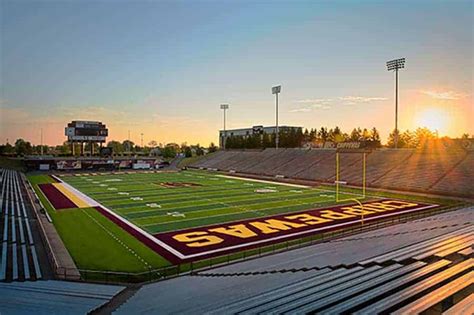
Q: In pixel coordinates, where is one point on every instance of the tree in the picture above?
(169, 151)
(23, 147)
(7, 149)
(152, 144)
(355, 134)
(199, 150)
(117, 147)
(187, 152)
(128, 146)
(212, 147)
(323, 134)
(374, 135)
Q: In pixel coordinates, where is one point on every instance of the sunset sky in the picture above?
(162, 68)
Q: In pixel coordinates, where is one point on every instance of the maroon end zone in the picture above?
(219, 239)
(56, 198)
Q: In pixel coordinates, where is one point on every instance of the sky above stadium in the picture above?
(162, 68)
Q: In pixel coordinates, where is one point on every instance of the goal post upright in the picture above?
(364, 178)
(338, 176)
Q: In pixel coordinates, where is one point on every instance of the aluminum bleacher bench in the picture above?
(466, 252)
(14, 262)
(36, 262)
(5, 229)
(412, 250)
(348, 289)
(300, 303)
(22, 232)
(3, 262)
(26, 266)
(464, 307)
(384, 288)
(416, 288)
(320, 277)
(437, 295)
(448, 247)
(292, 295)
(454, 249)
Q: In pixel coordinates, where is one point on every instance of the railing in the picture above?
(198, 266)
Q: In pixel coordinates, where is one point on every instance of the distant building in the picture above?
(254, 130)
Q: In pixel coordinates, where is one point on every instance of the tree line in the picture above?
(295, 137)
(291, 138)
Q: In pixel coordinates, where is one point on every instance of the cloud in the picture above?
(352, 100)
(308, 105)
(445, 95)
(315, 101)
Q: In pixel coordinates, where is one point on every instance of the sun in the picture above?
(433, 118)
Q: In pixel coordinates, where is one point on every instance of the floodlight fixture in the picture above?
(224, 107)
(276, 90)
(395, 65)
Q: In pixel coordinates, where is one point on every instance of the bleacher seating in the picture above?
(459, 179)
(407, 268)
(54, 297)
(18, 256)
(436, 169)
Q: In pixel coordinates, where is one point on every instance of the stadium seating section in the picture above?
(407, 268)
(54, 297)
(18, 252)
(436, 170)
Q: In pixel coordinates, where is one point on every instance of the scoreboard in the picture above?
(86, 131)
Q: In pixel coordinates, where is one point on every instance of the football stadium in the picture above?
(103, 212)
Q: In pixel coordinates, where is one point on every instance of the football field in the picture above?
(161, 218)
(160, 202)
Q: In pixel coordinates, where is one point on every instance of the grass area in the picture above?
(160, 202)
(96, 243)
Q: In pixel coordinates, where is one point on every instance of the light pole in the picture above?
(41, 148)
(276, 90)
(395, 65)
(224, 107)
(142, 140)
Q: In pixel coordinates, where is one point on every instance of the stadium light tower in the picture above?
(224, 107)
(276, 90)
(396, 64)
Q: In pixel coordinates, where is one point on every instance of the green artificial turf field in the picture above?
(147, 200)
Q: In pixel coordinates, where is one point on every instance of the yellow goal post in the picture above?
(338, 180)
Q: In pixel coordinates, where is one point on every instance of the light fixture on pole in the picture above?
(224, 107)
(276, 90)
(396, 64)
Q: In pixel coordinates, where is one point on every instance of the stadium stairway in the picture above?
(417, 266)
(18, 254)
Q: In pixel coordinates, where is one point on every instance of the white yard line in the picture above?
(263, 181)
